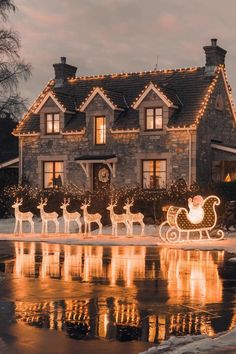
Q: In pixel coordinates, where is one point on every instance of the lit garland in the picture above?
(127, 74)
(34, 105)
(145, 88)
(95, 91)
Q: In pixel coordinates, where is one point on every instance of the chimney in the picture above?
(63, 71)
(215, 55)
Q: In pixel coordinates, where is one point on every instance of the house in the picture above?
(148, 128)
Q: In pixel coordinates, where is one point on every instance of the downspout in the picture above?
(21, 160)
(189, 158)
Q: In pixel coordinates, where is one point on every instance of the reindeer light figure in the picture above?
(90, 218)
(117, 218)
(20, 216)
(46, 217)
(68, 217)
(137, 217)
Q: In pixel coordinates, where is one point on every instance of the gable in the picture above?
(49, 99)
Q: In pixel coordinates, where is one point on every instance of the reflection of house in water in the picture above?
(192, 275)
(127, 264)
(177, 289)
(25, 259)
(93, 263)
(50, 261)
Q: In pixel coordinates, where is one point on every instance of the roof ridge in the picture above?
(125, 74)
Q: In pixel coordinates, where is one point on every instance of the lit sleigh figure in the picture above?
(200, 220)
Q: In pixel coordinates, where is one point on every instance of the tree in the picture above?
(12, 68)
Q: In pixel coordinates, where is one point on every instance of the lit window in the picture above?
(52, 123)
(53, 174)
(100, 130)
(224, 171)
(154, 174)
(153, 119)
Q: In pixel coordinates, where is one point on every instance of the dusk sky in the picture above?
(109, 36)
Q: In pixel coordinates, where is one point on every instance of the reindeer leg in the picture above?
(57, 226)
(20, 222)
(100, 227)
(32, 226)
(15, 228)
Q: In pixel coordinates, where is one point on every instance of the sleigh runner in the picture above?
(178, 224)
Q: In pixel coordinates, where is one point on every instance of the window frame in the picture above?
(53, 114)
(96, 130)
(154, 174)
(154, 118)
(54, 186)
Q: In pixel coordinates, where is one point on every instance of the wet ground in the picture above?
(120, 299)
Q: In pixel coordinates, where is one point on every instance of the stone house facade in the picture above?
(146, 128)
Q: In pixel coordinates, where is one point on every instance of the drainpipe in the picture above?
(189, 158)
(21, 161)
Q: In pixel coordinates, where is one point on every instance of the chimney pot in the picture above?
(214, 42)
(63, 60)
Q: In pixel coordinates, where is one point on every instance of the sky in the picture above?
(112, 36)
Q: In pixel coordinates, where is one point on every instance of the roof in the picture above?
(184, 88)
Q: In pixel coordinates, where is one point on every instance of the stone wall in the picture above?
(216, 126)
(129, 147)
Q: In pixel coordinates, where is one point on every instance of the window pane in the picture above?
(48, 180)
(148, 166)
(148, 180)
(160, 165)
(100, 127)
(49, 117)
(149, 123)
(158, 111)
(56, 127)
(158, 122)
(49, 126)
(58, 167)
(149, 112)
(48, 166)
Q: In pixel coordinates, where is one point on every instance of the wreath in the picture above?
(103, 175)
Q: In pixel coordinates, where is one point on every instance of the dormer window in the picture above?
(153, 118)
(52, 123)
(100, 130)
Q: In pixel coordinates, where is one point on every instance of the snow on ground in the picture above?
(221, 343)
(150, 237)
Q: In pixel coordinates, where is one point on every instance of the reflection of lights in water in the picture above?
(128, 264)
(50, 261)
(93, 262)
(25, 259)
(191, 275)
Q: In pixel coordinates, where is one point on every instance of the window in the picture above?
(154, 174)
(53, 174)
(52, 123)
(153, 118)
(224, 171)
(100, 130)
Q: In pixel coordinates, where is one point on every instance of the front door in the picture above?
(101, 176)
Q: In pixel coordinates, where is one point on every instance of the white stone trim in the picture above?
(152, 87)
(224, 148)
(92, 95)
(9, 163)
(122, 131)
(76, 132)
(50, 95)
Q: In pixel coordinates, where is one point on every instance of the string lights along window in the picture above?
(154, 174)
(52, 123)
(100, 130)
(153, 118)
(53, 174)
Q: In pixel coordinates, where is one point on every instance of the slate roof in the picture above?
(185, 88)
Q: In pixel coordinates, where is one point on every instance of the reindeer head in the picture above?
(128, 204)
(17, 203)
(85, 204)
(42, 203)
(65, 203)
(112, 205)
